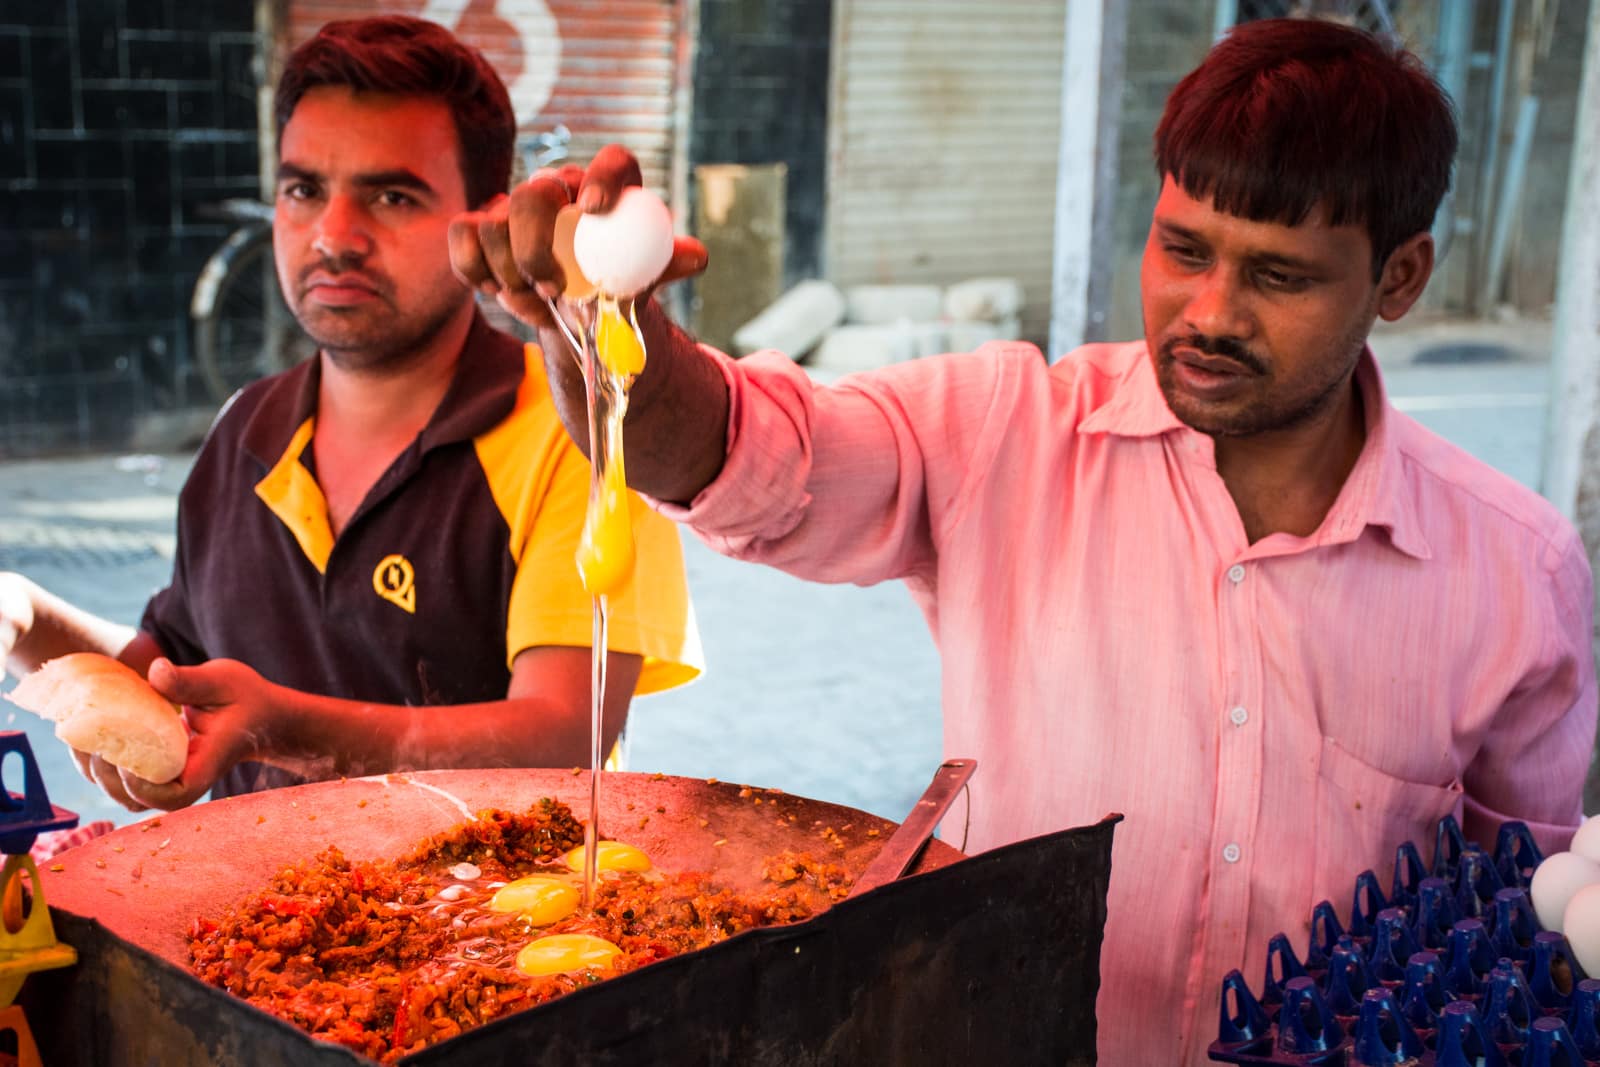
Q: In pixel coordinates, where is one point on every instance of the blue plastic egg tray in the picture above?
(1449, 969)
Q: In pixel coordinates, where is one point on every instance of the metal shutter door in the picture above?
(615, 64)
(944, 122)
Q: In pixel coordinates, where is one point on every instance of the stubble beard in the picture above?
(1264, 414)
(386, 343)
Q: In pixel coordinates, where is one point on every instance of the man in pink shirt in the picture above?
(1210, 579)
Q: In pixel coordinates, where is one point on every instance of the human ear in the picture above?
(1405, 275)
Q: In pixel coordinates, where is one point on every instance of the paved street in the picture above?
(828, 692)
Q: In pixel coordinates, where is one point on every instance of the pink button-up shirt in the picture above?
(1271, 718)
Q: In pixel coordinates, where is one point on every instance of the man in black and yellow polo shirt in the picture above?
(376, 549)
(457, 563)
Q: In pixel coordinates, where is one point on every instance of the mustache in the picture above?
(1225, 347)
(337, 265)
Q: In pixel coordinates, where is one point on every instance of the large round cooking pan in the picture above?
(147, 882)
(991, 959)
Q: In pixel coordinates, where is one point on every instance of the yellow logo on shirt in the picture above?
(395, 581)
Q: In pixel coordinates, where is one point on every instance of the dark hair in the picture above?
(409, 56)
(1286, 114)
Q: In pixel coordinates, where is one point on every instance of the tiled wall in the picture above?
(119, 121)
(761, 96)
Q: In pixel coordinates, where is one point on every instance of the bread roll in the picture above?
(104, 708)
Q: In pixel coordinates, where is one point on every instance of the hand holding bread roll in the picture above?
(104, 708)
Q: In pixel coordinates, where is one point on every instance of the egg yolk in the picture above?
(541, 898)
(605, 551)
(611, 856)
(616, 344)
(562, 953)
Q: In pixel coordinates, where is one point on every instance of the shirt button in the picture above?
(1236, 573)
(1238, 716)
(1230, 852)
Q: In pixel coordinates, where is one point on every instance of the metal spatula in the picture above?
(906, 843)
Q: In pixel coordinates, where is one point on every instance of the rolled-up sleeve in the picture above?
(886, 457)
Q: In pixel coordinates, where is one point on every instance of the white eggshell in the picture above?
(1581, 924)
(629, 246)
(1556, 881)
(1586, 842)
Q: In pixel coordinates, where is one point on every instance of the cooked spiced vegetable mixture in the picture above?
(388, 957)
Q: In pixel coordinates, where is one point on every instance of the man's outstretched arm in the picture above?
(677, 426)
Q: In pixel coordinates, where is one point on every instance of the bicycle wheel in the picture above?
(242, 328)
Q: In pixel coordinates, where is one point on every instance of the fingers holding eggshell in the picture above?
(466, 252)
(494, 238)
(612, 170)
(570, 175)
(526, 306)
(531, 224)
(1556, 881)
(688, 259)
(482, 256)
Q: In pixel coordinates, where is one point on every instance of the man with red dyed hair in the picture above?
(1211, 579)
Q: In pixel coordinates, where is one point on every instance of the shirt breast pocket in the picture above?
(1363, 814)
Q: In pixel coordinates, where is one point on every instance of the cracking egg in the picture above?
(628, 247)
(611, 856)
(564, 953)
(540, 897)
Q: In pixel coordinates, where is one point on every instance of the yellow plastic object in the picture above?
(27, 1052)
(26, 944)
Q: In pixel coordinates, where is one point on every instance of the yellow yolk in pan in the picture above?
(611, 856)
(563, 953)
(541, 898)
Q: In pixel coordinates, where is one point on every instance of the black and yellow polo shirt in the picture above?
(462, 554)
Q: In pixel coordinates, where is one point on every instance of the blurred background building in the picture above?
(883, 142)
